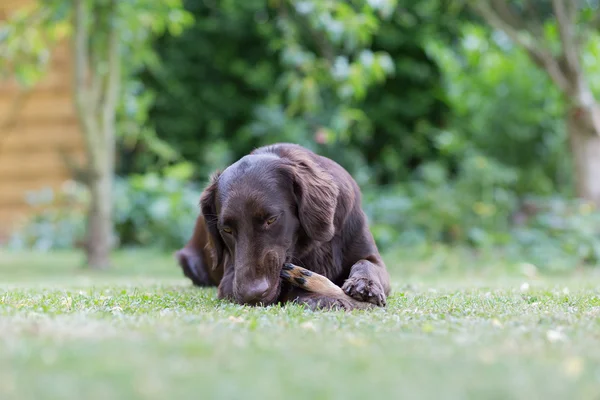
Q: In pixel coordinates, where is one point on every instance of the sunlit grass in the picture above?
(141, 331)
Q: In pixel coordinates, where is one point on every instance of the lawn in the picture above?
(455, 328)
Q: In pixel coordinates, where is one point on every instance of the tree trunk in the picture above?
(96, 86)
(99, 220)
(585, 150)
(567, 72)
(101, 163)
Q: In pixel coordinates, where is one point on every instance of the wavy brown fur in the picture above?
(284, 204)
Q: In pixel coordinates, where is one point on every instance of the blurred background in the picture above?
(471, 127)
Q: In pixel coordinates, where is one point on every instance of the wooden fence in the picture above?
(34, 125)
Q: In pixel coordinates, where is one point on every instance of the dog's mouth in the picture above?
(273, 297)
(270, 298)
(273, 268)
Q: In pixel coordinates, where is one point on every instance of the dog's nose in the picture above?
(255, 291)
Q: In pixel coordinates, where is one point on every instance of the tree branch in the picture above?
(539, 54)
(113, 78)
(532, 14)
(573, 7)
(80, 54)
(323, 45)
(113, 61)
(79, 173)
(566, 18)
(595, 22)
(526, 22)
(97, 60)
(502, 8)
(80, 84)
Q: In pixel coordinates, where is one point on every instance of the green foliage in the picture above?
(141, 22)
(474, 208)
(58, 224)
(449, 128)
(477, 209)
(27, 38)
(504, 147)
(349, 76)
(26, 41)
(559, 235)
(506, 108)
(408, 111)
(214, 75)
(156, 210)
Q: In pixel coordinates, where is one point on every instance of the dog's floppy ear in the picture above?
(316, 195)
(208, 208)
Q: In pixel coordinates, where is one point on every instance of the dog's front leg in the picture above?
(368, 281)
(316, 291)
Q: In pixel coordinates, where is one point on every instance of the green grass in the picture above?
(140, 331)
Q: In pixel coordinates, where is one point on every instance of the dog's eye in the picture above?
(271, 220)
(226, 229)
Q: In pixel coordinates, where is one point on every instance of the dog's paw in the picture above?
(297, 276)
(364, 289)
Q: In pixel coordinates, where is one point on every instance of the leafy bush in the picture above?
(505, 108)
(244, 75)
(550, 233)
(155, 210)
(58, 221)
(479, 209)
(559, 234)
(510, 153)
(435, 208)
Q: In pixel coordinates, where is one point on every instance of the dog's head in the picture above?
(257, 209)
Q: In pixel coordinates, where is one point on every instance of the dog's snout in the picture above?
(255, 291)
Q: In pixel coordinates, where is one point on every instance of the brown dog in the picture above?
(284, 204)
